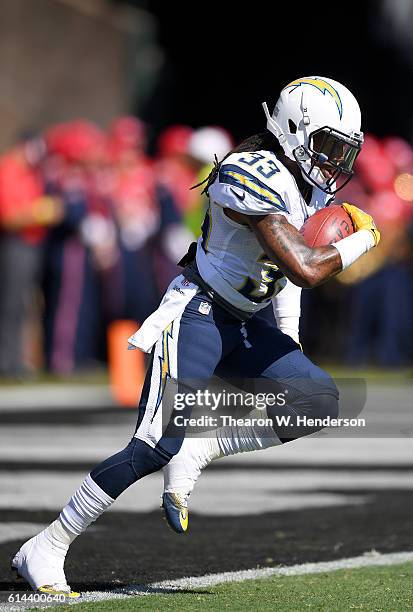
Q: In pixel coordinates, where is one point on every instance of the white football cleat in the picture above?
(40, 562)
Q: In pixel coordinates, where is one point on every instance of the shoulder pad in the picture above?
(252, 183)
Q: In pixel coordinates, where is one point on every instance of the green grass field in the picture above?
(374, 589)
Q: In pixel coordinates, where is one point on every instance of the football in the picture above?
(326, 226)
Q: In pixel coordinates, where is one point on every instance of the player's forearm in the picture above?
(305, 266)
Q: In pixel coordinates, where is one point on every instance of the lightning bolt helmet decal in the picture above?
(321, 85)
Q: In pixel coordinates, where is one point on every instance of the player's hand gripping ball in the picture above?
(326, 226)
(362, 220)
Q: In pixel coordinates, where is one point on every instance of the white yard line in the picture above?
(370, 559)
(195, 582)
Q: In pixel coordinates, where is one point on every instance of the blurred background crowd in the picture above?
(96, 212)
(91, 230)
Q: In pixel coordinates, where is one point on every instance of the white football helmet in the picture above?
(317, 122)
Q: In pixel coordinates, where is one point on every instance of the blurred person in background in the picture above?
(205, 143)
(149, 223)
(25, 214)
(130, 288)
(381, 295)
(176, 173)
(175, 169)
(78, 247)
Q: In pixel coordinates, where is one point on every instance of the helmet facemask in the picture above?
(328, 159)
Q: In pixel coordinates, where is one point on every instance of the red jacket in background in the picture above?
(20, 186)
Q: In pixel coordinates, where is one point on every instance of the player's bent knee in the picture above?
(147, 460)
(121, 470)
(312, 403)
(324, 406)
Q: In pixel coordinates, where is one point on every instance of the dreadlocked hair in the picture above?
(263, 141)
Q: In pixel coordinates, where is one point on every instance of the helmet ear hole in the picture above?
(292, 127)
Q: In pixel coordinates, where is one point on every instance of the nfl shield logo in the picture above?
(204, 308)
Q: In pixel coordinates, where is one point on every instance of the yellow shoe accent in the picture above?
(51, 590)
(183, 519)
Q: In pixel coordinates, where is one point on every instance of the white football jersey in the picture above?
(229, 256)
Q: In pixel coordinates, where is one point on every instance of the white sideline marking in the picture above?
(366, 560)
(369, 559)
(372, 558)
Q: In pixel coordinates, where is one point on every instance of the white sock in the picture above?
(51, 545)
(235, 439)
(84, 507)
(56, 540)
(184, 469)
(59, 537)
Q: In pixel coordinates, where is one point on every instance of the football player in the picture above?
(300, 135)
(207, 321)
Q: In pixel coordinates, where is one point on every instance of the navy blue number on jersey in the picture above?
(269, 285)
(267, 168)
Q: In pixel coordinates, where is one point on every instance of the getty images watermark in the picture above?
(207, 402)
